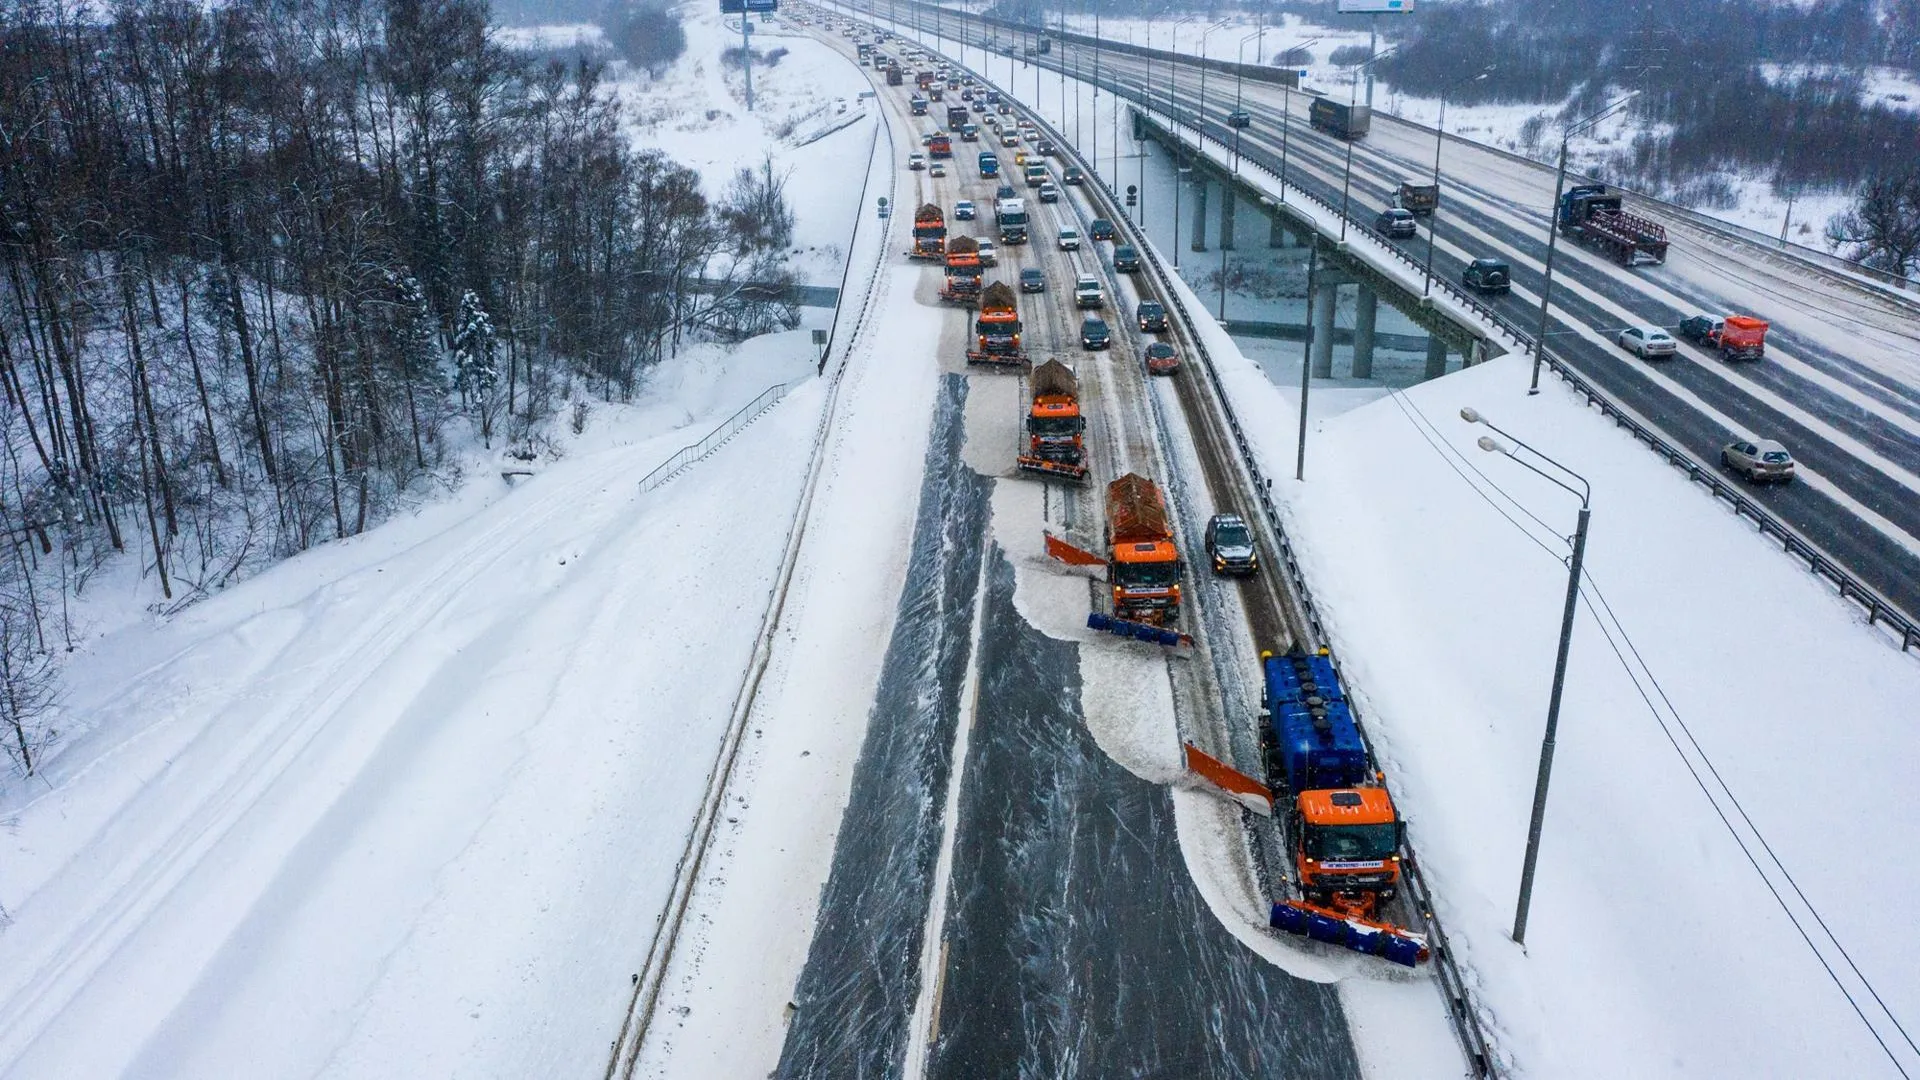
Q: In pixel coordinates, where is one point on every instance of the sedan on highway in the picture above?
(1161, 359)
(916, 161)
(1648, 342)
(1072, 175)
(938, 168)
(1759, 460)
(1032, 280)
(1397, 223)
(963, 210)
(1100, 229)
(989, 255)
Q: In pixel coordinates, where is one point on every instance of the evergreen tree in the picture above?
(475, 370)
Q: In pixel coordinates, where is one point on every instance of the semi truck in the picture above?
(997, 329)
(1594, 215)
(1055, 429)
(1011, 216)
(1143, 562)
(1340, 120)
(963, 272)
(1738, 337)
(929, 233)
(1343, 833)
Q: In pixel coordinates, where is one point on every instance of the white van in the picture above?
(1069, 239)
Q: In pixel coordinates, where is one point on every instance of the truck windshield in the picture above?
(1356, 843)
(1147, 575)
(1057, 425)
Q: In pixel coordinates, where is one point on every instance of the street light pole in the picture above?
(1286, 114)
(1574, 564)
(1200, 124)
(1306, 357)
(1553, 229)
(1353, 100)
(1439, 139)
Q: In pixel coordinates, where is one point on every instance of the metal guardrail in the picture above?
(1461, 1011)
(1878, 609)
(715, 439)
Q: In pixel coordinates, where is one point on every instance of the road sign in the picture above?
(763, 5)
(1375, 7)
(883, 206)
(1132, 190)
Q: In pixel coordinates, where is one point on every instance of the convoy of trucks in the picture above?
(1055, 443)
(1595, 216)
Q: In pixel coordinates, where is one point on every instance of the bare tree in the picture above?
(1882, 229)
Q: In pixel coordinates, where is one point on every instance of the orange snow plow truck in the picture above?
(997, 330)
(929, 233)
(963, 272)
(1143, 563)
(1055, 444)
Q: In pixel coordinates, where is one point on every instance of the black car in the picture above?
(1396, 223)
(1073, 175)
(1032, 280)
(1045, 148)
(1100, 229)
(1153, 317)
(1005, 191)
(1487, 276)
(1125, 259)
(1230, 542)
(1094, 333)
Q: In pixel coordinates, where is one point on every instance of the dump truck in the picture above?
(1594, 215)
(923, 80)
(1419, 198)
(997, 329)
(957, 116)
(1338, 120)
(963, 272)
(1143, 562)
(1738, 337)
(1056, 445)
(894, 77)
(940, 145)
(929, 233)
(1343, 833)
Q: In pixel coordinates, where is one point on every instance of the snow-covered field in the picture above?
(409, 804)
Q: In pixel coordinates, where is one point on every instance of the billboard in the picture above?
(1375, 7)
(763, 5)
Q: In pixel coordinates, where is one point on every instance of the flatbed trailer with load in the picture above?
(1597, 218)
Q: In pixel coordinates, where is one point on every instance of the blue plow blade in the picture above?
(1383, 943)
(1139, 631)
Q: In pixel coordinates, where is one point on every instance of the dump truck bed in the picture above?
(1135, 511)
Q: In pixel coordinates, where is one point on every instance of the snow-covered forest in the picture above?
(268, 262)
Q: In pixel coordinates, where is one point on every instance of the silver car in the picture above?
(1647, 342)
(1759, 460)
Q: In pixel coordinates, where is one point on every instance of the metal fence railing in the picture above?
(714, 439)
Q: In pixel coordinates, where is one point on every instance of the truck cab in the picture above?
(1347, 842)
(989, 163)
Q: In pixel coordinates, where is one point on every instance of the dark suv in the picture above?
(1100, 229)
(1230, 542)
(1487, 276)
(1396, 223)
(1125, 259)
(1094, 333)
(1072, 175)
(1032, 280)
(1153, 317)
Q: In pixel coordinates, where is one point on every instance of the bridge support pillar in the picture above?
(1436, 357)
(1324, 294)
(1366, 312)
(1277, 234)
(1226, 216)
(1200, 213)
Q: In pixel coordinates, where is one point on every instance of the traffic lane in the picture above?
(1076, 944)
(1885, 565)
(856, 994)
(1861, 480)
